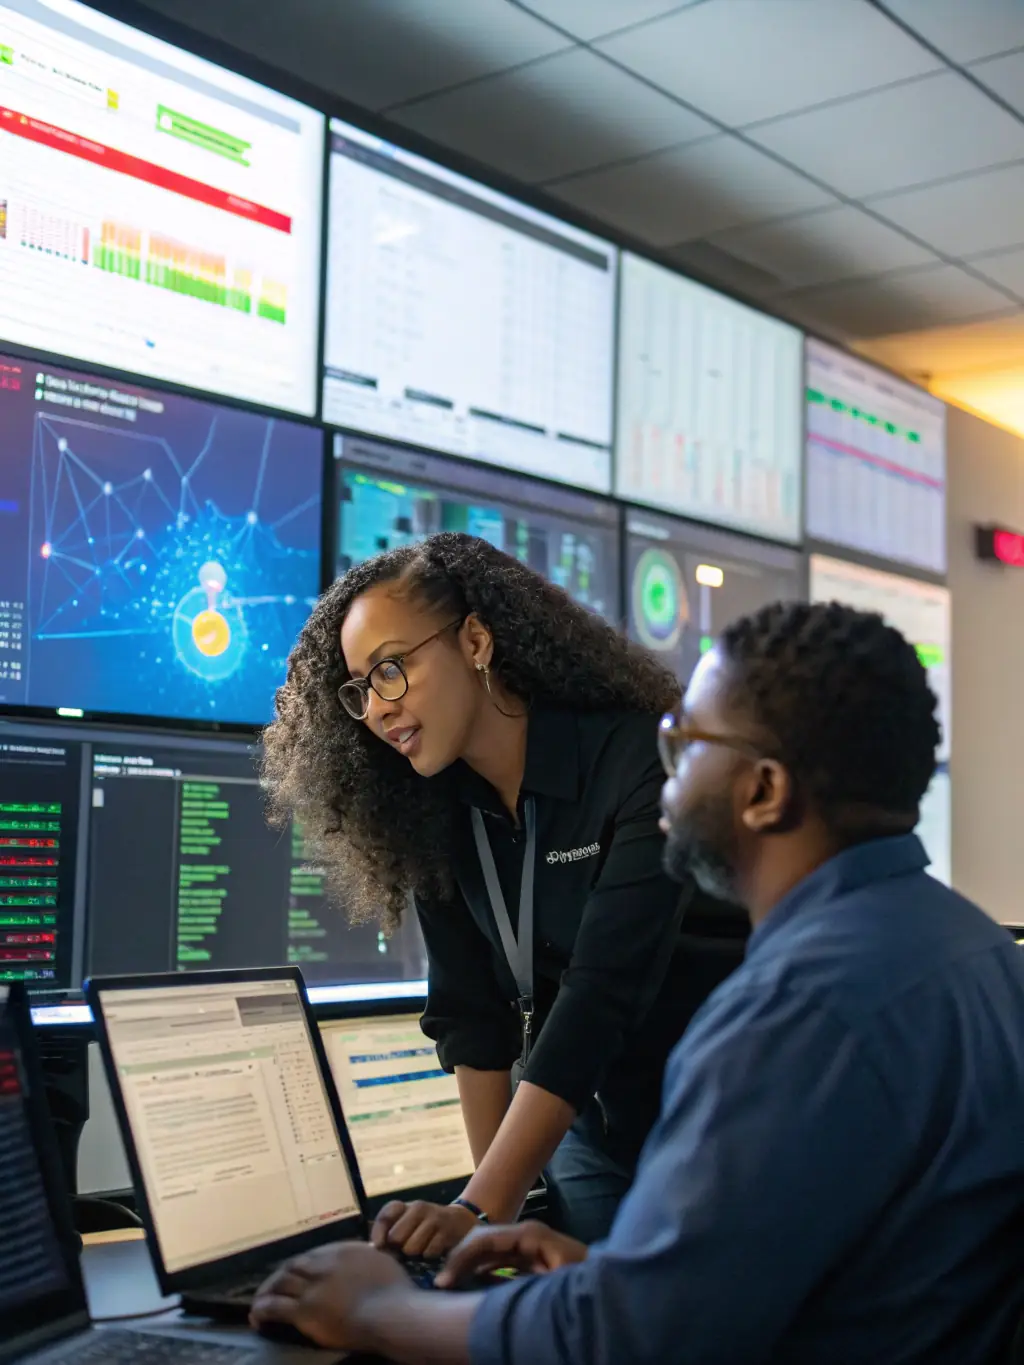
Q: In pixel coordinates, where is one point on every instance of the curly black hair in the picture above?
(380, 830)
(845, 700)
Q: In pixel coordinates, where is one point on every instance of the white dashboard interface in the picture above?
(231, 1122)
(158, 213)
(402, 1110)
(920, 611)
(464, 321)
(876, 461)
(709, 405)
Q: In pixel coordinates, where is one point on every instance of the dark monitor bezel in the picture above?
(435, 1192)
(65, 1310)
(256, 1259)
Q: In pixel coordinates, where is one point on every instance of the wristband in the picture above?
(477, 1212)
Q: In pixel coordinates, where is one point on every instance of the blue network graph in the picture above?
(172, 558)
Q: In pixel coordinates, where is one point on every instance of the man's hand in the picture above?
(331, 1294)
(421, 1229)
(529, 1247)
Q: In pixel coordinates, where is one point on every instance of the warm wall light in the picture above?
(709, 577)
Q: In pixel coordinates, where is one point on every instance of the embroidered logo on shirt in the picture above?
(574, 855)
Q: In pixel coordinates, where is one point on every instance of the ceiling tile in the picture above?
(588, 19)
(691, 192)
(963, 217)
(600, 114)
(932, 297)
(715, 266)
(964, 29)
(747, 60)
(1005, 76)
(1005, 268)
(893, 139)
(951, 350)
(351, 49)
(828, 244)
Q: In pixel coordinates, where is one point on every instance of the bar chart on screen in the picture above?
(157, 214)
(708, 425)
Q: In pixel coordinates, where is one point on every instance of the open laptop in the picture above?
(44, 1315)
(232, 1127)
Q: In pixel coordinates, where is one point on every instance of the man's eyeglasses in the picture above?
(675, 737)
(387, 678)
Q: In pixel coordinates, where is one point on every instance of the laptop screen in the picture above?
(39, 1284)
(234, 1133)
(402, 1110)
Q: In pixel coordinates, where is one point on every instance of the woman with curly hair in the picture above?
(455, 731)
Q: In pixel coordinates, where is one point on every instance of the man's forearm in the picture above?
(535, 1124)
(411, 1327)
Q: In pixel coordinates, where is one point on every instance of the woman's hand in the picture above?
(421, 1229)
(331, 1294)
(530, 1247)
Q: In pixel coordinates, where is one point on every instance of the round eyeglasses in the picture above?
(387, 678)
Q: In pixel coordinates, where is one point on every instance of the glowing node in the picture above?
(62, 445)
(251, 518)
(108, 488)
(46, 550)
(140, 534)
(147, 474)
(212, 578)
(211, 634)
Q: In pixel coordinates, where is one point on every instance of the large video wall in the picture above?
(245, 345)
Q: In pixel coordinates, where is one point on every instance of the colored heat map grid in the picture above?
(30, 842)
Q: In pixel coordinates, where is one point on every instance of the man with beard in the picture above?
(838, 1171)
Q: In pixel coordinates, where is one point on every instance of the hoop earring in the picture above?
(510, 715)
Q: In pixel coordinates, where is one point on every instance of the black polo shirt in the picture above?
(622, 955)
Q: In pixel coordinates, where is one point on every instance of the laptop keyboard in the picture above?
(121, 1347)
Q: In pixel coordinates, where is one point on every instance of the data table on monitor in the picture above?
(158, 554)
(158, 213)
(876, 461)
(460, 319)
(709, 399)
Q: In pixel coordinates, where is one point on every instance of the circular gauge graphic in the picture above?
(660, 608)
(209, 628)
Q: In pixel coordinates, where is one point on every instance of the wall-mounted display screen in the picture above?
(158, 555)
(935, 827)
(876, 461)
(390, 496)
(686, 583)
(460, 319)
(709, 405)
(158, 213)
(920, 611)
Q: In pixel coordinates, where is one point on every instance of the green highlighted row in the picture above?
(837, 405)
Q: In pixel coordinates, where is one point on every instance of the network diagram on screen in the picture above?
(158, 554)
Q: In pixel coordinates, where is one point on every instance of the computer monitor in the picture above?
(232, 1136)
(40, 859)
(935, 827)
(158, 554)
(391, 495)
(687, 582)
(158, 213)
(403, 1111)
(180, 828)
(460, 319)
(920, 611)
(876, 461)
(709, 405)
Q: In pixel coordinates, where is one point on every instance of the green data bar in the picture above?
(202, 135)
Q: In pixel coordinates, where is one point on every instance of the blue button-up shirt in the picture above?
(838, 1171)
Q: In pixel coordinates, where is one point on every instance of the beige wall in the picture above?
(986, 484)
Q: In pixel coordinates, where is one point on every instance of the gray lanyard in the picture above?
(518, 949)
